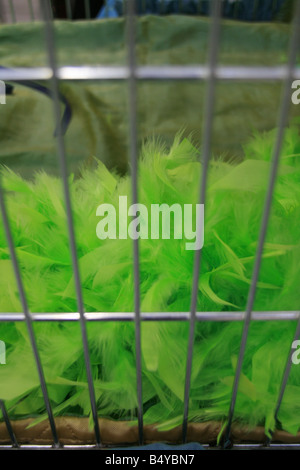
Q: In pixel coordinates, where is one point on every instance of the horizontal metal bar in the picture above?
(177, 72)
(25, 73)
(169, 72)
(287, 315)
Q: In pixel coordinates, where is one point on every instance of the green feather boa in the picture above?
(235, 199)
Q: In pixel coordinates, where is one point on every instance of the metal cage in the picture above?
(132, 73)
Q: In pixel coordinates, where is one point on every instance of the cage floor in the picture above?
(76, 431)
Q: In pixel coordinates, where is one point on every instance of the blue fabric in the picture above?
(109, 10)
(245, 10)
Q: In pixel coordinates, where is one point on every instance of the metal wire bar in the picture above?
(236, 10)
(254, 11)
(144, 7)
(27, 316)
(68, 9)
(161, 7)
(87, 9)
(153, 316)
(170, 72)
(12, 11)
(45, 7)
(284, 382)
(125, 8)
(8, 425)
(274, 7)
(206, 139)
(30, 7)
(282, 121)
(132, 94)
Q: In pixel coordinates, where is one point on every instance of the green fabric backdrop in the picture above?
(100, 116)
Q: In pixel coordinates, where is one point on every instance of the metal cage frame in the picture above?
(132, 73)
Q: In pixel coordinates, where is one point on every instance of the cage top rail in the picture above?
(149, 72)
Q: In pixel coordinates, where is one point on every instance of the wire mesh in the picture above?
(132, 73)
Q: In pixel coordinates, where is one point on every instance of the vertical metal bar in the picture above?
(131, 37)
(236, 9)
(12, 11)
(28, 318)
(87, 9)
(179, 6)
(282, 121)
(254, 11)
(161, 7)
(45, 8)
(284, 382)
(274, 8)
(206, 139)
(200, 7)
(8, 425)
(143, 7)
(68, 9)
(31, 10)
(2, 15)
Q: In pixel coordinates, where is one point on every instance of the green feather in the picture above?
(235, 198)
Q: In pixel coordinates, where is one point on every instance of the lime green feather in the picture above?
(233, 210)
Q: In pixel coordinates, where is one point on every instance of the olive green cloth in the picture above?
(99, 124)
